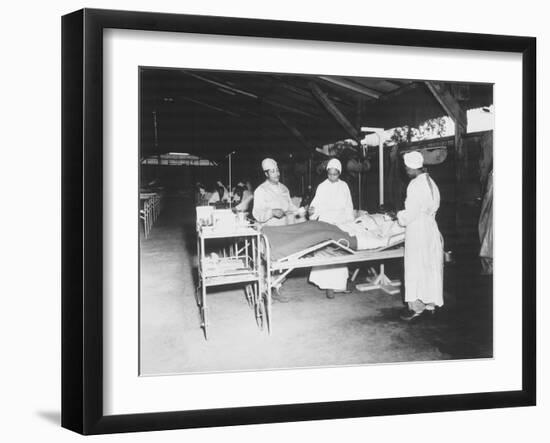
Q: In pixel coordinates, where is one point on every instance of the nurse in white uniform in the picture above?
(423, 241)
(273, 207)
(332, 204)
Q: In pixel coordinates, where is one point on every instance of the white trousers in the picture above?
(329, 277)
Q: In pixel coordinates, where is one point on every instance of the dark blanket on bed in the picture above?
(286, 240)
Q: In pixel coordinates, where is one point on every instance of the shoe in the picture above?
(404, 310)
(410, 315)
(430, 314)
(280, 296)
(346, 290)
(330, 293)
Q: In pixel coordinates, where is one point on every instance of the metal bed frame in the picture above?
(329, 252)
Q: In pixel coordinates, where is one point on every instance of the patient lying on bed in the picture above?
(374, 231)
(368, 231)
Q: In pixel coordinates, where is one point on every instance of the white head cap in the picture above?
(268, 163)
(334, 164)
(413, 160)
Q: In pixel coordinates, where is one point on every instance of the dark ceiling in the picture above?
(212, 113)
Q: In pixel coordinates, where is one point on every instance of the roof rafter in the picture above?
(210, 106)
(220, 84)
(363, 90)
(449, 104)
(295, 132)
(334, 111)
(251, 95)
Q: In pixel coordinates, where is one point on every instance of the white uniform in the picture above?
(423, 242)
(269, 196)
(333, 204)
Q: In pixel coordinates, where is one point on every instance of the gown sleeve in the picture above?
(315, 204)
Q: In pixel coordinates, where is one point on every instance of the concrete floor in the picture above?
(310, 330)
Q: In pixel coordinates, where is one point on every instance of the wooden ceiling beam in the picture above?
(304, 93)
(334, 111)
(207, 105)
(289, 108)
(251, 95)
(363, 90)
(449, 104)
(399, 91)
(295, 132)
(221, 85)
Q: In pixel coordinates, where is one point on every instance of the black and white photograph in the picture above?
(275, 221)
(308, 221)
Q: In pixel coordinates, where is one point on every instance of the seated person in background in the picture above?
(220, 194)
(272, 201)
(332, 204)
(201, 196)
(242, 197)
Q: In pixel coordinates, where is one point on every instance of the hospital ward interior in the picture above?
(310, 221)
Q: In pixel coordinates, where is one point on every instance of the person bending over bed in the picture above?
(332, 204)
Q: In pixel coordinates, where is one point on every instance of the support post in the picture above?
(453, 109)
(381, 281)
(459, 175)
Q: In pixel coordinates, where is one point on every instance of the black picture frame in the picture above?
(82, 215)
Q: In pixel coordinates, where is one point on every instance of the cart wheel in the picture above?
(249, 296)
(260, 313)
(198, 296)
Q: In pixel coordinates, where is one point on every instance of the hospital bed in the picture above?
(149, 209)
(286, 248)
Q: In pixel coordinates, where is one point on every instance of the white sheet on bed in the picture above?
(374, 231)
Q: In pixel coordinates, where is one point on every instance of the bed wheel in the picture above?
(267, 314)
